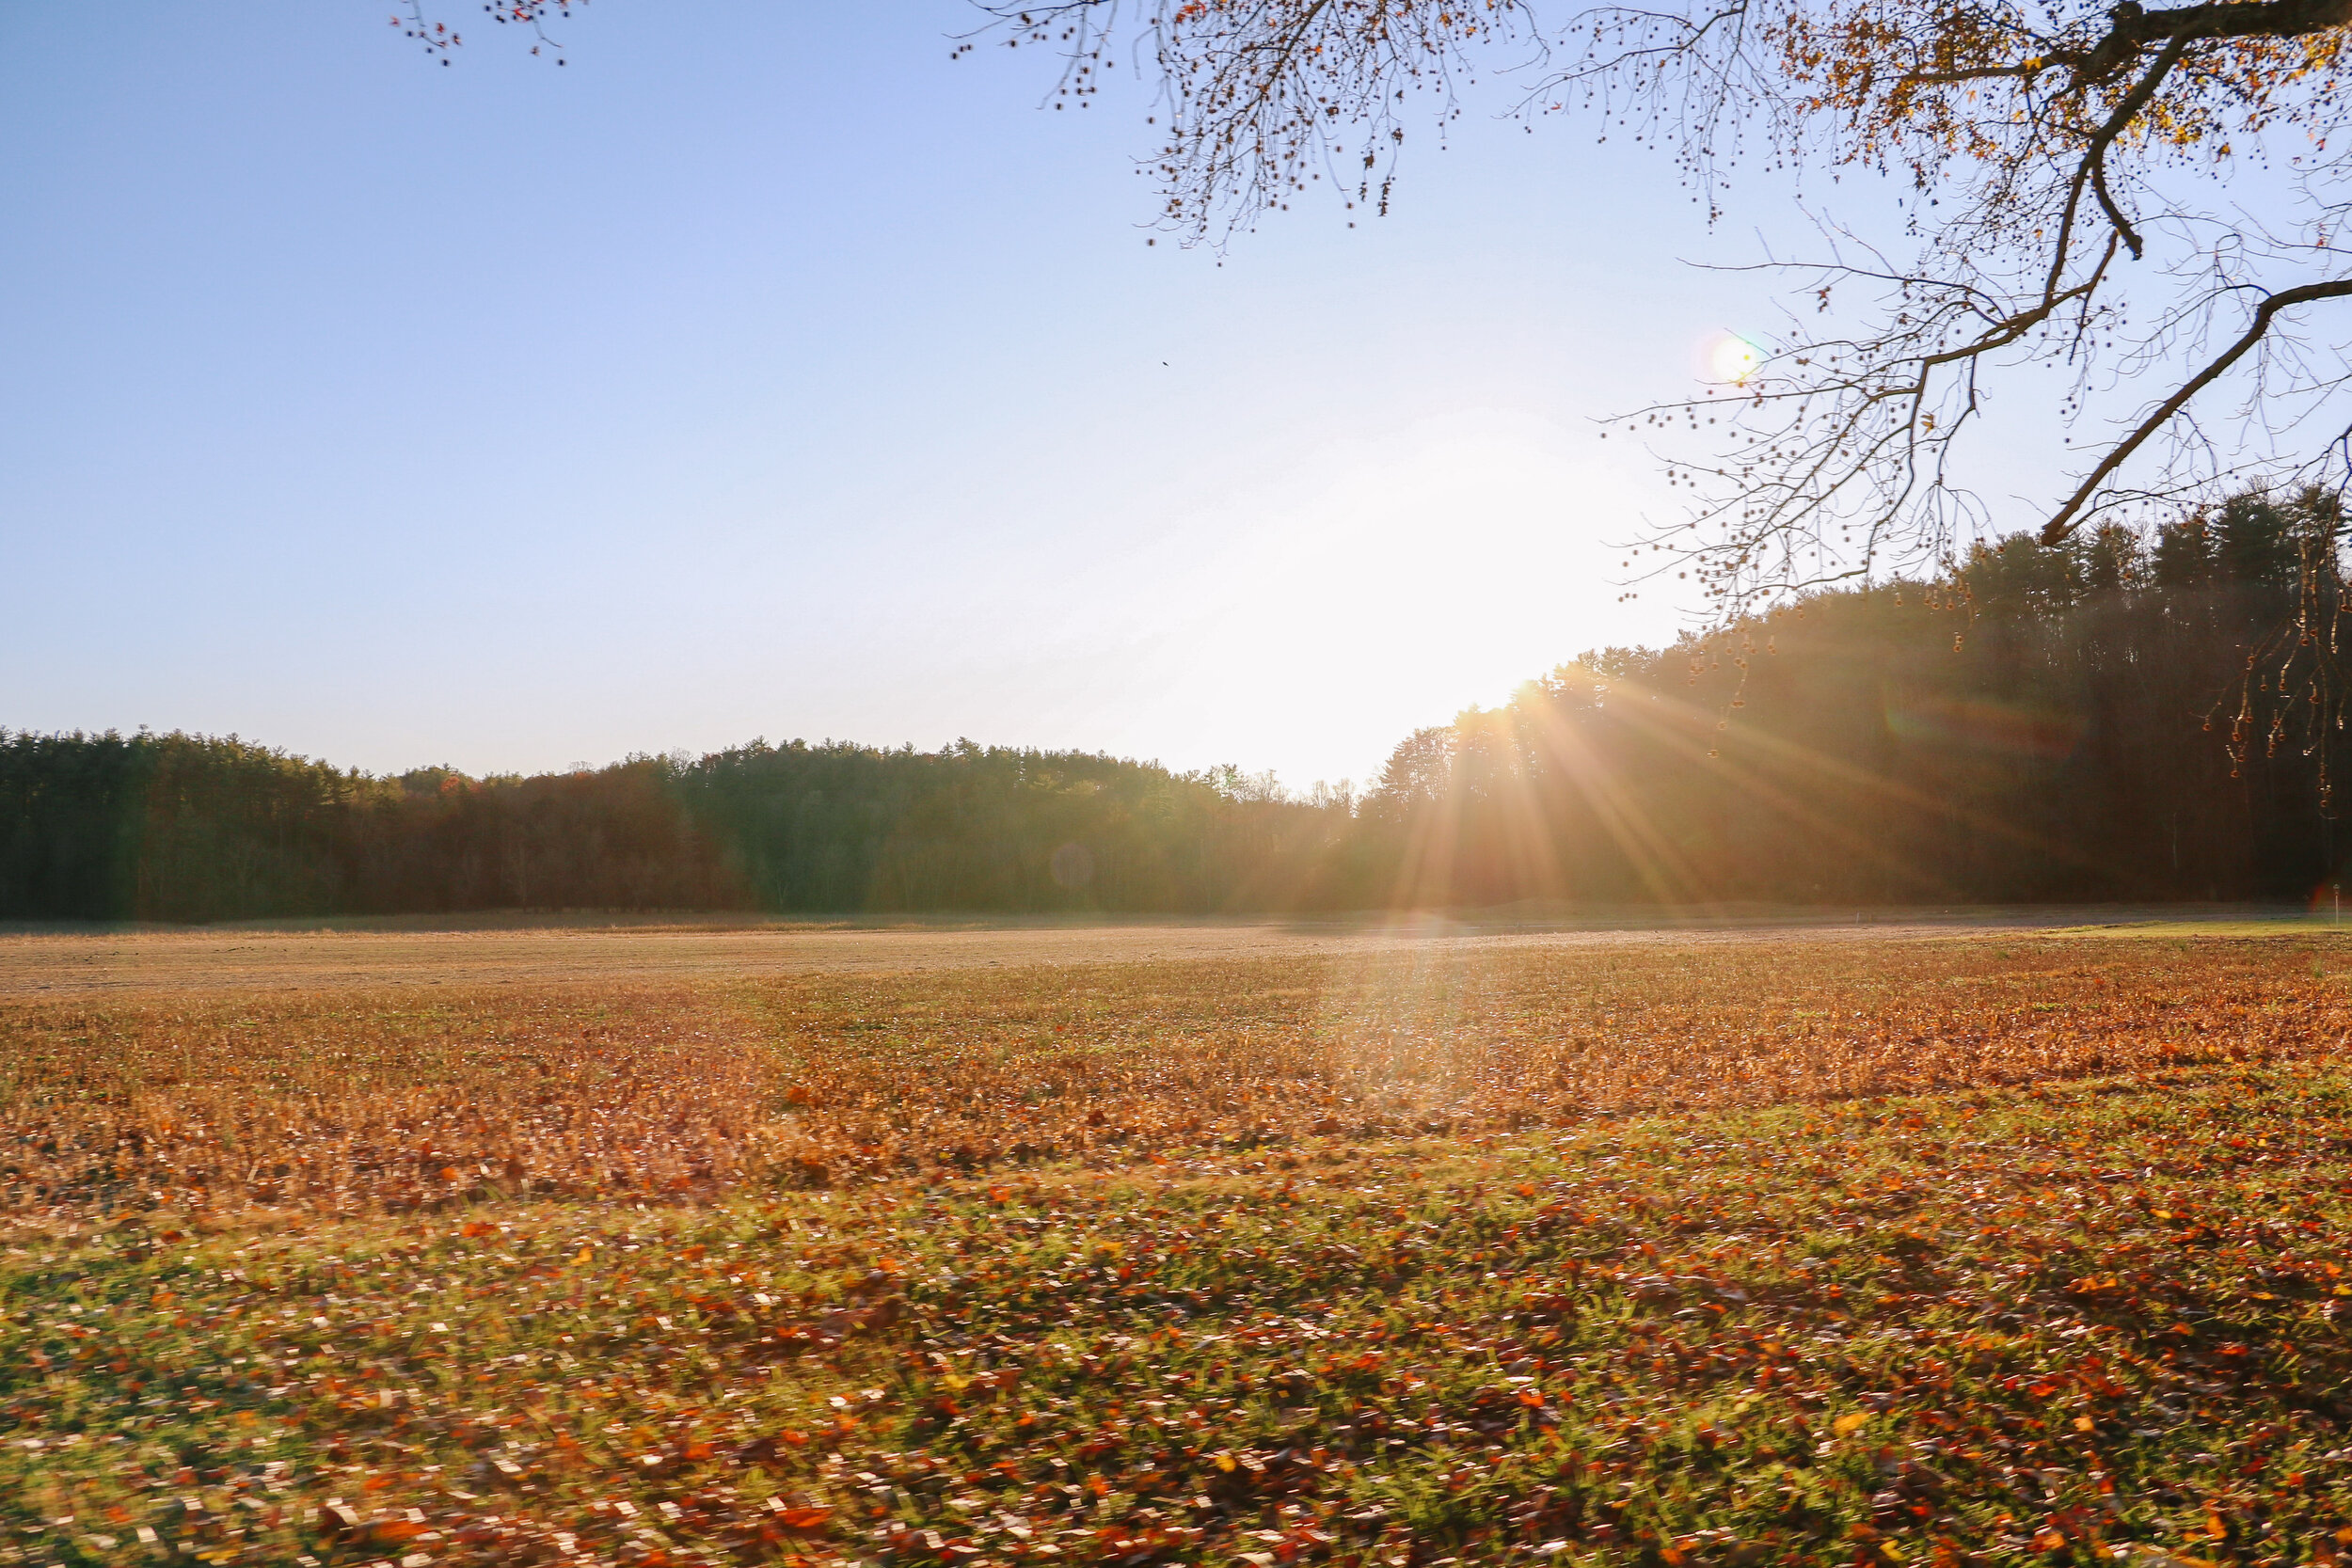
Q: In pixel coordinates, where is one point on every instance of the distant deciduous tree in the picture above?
(2135, 197)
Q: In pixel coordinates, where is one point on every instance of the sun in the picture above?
(1732, 359)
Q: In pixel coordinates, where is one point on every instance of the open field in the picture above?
(1349, 1246)
(417, 951)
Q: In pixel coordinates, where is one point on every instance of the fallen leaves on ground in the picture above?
(235, 1109)
(2095, 1321)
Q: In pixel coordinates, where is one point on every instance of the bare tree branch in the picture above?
(2016, 128)
(2063, 522)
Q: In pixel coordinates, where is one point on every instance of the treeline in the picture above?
(2118, 717)
(188, 828)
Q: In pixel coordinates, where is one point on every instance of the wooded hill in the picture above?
(2115, 717)
(178, 827)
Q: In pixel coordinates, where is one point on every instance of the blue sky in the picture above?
(765, 372)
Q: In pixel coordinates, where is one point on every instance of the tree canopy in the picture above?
(2145, 200)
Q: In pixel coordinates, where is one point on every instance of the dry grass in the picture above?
(351, 956)
(365, 955)
(1362, 1257)
(355, 1100)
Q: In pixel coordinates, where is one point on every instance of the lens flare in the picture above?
(1732, 359)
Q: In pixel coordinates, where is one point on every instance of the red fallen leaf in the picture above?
(383, 1532)
(798, 1518)
(475, 1227)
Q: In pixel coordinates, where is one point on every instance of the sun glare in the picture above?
(1731, 358)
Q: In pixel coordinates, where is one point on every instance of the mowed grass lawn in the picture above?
(1980, 1250)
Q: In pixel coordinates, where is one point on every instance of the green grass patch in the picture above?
(2039, 1325)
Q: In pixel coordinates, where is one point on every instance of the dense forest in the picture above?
(2119, 717)
(180, 828)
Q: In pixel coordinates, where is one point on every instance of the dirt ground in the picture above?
(365, 955)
